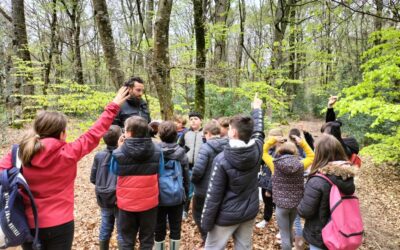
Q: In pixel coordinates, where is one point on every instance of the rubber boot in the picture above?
(104, 244)
(174, 244)
(159, 245)
(299, 243)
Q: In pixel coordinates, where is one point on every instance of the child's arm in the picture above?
(215, 193)
(201, 164)
(330, 113)
(185, 172)
(309, 154)
(267, 158)
(89, 140)
(94, 169)
(258, 117)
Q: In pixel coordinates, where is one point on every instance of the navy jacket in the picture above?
(314, 206)
(232, 195)
(202, 168)
(132, 108)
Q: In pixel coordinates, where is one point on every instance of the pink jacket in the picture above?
(52, 174)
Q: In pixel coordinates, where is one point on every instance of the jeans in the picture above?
(133, 222)
(174, 214)
(312, 247)
(242, 236)
(285, 218)
(298, 228)
(268, 206)
(191, 190)
(108, 218)
(198, 205)
(58, 237)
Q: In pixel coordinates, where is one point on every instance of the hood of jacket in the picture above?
(288, 164)
(48, 155)
(242, 156)
(218, 144)
(139, 149)
(172, 151)
(341, 173)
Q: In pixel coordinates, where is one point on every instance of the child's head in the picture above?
(241, 127)
(327, 149)
(137, 127)
(180, 122)
(287, 148)
(167, 132)
(224, 124)
(332, 128)
(296, 132)
(153, 128)
(211, 129)
(278, 134)
(46, 125)
(195, 119)
(111, 137)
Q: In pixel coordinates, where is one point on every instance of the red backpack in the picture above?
(344, 230)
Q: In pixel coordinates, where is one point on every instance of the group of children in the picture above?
(217, 166)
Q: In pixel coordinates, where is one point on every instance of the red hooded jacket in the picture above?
(52, 174)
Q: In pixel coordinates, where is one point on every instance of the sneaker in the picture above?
(261, 224)
(184, 215)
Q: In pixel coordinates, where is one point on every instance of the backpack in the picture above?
(344, 230)
(106, 183)
(14, 227)
(170, 183)
(355, 160)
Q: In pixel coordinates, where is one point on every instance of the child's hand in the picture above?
(267, 194)
(122, 95)
(296, 138)
(332, 100)
(256, 104)
(121, 140)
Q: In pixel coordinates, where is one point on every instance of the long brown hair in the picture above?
(327, 149)
(47, 124)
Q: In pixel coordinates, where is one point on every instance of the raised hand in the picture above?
(121, 96)
(332, 100)
(256, 104)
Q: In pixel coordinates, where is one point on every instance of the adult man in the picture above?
(135, 105)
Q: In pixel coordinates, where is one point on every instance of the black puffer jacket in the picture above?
(232, 195)
(132, 107)
(172, 151)
(202, 168)
(314, 206)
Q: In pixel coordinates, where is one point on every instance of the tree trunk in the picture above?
(107, 42)
(149, 18)
(199, 27)
(160, 64)
(47, 66)
(21, 45)
(377, 19)
(239, 52)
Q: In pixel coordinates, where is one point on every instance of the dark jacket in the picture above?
(314, 206)
(173, 151)
(138, 163)
(202, 168)
(98, 160)
(132, 108)
(288, 181)
(232, 195)
(265, 178)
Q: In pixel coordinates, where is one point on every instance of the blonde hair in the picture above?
(212, 127)
(180, 119)
(327, 149)
(275, 132)
(46, 125)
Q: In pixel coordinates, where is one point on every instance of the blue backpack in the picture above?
(106, 183)
(170, 183)
(14, 227)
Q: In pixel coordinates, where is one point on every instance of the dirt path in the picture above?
(378, 188)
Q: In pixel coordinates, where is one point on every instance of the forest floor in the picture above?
(378, 188)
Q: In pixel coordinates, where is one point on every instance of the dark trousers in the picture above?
(58, 237)
(174, 215)
(268, 206)
(133, 222)
(198, 205)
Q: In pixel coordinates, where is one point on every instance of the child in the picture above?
(171, 151)
(202, 170)
(330, 159)
(180, 123)
(232, 196)
(50, 167)
(137, 160)
(287, 182)
(192, 140)
(102, 160)
(224, 124)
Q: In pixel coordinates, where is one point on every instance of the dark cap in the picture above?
(195, 114)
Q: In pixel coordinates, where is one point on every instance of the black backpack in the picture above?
(106, 183)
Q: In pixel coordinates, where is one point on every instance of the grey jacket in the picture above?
(193, 141)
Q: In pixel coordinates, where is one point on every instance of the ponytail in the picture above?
(28, 147)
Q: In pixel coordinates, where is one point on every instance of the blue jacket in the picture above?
(232, 195)
(202, 168)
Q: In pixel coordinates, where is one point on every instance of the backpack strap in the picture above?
(16, 163)
(161, 163)
(325, 178)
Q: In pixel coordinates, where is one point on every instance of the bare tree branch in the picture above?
(5, 15)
